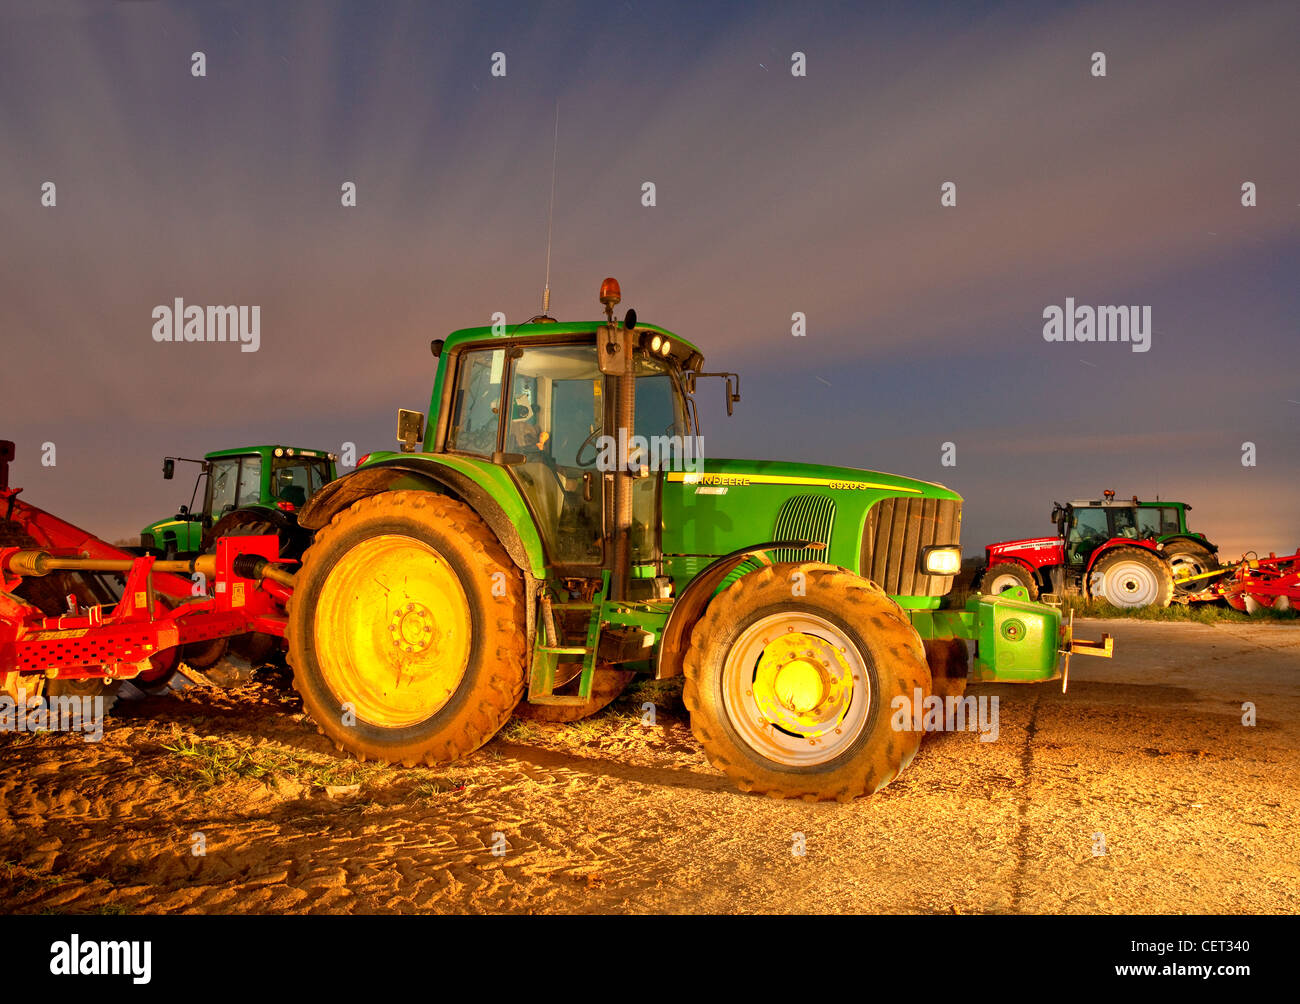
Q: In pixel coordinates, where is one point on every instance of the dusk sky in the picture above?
(775, 194)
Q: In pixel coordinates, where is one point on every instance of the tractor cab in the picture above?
(544, 410)
(586, 420)
(1085, 525)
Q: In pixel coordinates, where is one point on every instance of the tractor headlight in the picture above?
(941, 560)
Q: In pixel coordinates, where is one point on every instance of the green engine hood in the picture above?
(731, 504)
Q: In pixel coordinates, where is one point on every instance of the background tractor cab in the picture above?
(246, 490)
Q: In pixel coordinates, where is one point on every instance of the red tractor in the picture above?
(1130, 554)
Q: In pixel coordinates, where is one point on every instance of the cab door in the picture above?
(1089, 529)
(555, 420)
(662, 443)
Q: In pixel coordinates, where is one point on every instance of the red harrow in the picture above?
(1253, 584)
(76, 612)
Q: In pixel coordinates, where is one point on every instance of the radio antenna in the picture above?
(550, 214)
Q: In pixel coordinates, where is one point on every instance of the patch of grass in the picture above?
(213, 762)
(210, 763)
(519, 730)
(587, 729)
(427, 790)
(1197, 613)
(25, 880)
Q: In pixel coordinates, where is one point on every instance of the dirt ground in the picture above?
(1197, 811)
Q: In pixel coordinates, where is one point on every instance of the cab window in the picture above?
(476, 402)
(224, 482)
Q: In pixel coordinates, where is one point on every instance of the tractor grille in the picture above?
(804, 517)
(896, 532)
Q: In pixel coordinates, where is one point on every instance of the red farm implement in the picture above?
(77, 613)
(1253, 584)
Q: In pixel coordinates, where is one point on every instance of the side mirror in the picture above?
(410, 429)
(169, 468)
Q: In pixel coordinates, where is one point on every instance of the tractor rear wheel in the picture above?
(794, 692)
(406, 630)
(606, 684)
(1131, 578)
(1005, 574)
(1188, 558)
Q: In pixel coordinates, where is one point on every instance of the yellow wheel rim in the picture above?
(392, 631)
(796, 689)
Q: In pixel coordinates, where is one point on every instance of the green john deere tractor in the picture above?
(256, 489)
(248, 491)
(556, 530)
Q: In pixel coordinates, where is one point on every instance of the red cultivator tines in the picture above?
(63, 619)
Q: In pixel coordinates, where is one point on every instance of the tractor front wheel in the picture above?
(1130, 578)
(406, 630)
(1005, 574)
(803, 687)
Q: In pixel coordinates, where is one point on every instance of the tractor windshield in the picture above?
(296, 479)
(475, 420)
(1090, 529)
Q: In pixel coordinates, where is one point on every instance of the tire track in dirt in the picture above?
(1022, 808)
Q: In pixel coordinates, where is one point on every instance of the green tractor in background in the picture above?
(255, 489)
(248, 491)
(555, 530)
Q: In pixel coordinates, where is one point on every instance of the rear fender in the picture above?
(688, 608)
(1191, 538)
(1116, 542)
(518, 535)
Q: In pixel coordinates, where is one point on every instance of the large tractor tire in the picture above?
(949, 663)
(406, 630)
(231, 662)
(1131, 578)
(256, 522)
(1189, 558)
(791, 691)
(1002, 576)
(606, 684)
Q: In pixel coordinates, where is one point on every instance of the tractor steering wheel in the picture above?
(590, 441)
